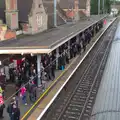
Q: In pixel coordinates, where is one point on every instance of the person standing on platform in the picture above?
(71, 52)
(84, 45)
(1, 90)
(83, 42)
(2, 81)
(48, 71)
(23, 95)
(53, 71)
(62, 62)
(22, 75)
(75, 49)
(10, 109)
(2, 106)
(16, 112)
(7, 73)
(67, 57)
(79, 48)
(89, 35)
(32, 91)
(15, 99)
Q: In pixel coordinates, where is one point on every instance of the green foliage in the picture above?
(94, 6)
(107, 6)
(119, 12)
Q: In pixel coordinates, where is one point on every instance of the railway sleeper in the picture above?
(69, 113)
(84, 85)
(90, 101)
(91, 98)
(88, 111)
(79, 99)
(75, 105)
(72, 108)
(86, 88)
(72, 118)
(82, 89)
(89, 104)
(75, 110)
(79, 90)
(86, 81)
(86, 91)
(80, 102)
(81, 95)
(85, 118)
(86, 115)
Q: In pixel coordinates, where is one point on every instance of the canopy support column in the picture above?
(39, 82)
(57, 57)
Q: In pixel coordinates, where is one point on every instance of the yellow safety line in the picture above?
(46, 91)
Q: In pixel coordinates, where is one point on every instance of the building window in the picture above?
(39, 20)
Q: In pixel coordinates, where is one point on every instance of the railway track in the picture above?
(76, 102)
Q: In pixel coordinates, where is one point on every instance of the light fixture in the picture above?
(0, 63)
(32, 54)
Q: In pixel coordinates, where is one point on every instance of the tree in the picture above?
(94, 6)
(107, 6)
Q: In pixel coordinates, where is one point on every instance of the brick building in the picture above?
(34, 16)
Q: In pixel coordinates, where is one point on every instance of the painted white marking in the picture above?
(46, 108)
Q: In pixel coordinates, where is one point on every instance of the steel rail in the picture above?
(86, 71)
(95, 79)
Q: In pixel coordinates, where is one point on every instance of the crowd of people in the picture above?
(25, 74)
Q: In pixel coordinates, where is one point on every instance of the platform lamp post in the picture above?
(103, 6)
(98, 7)
(55, 13)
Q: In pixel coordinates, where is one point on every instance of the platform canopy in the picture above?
(47, 41)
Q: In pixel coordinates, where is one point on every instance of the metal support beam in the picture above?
(77, 39)
(39, 69)
(69, 48)
(55, 13)
(98, 7)
(103, 6)
(57, 56)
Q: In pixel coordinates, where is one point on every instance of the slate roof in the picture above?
(50, 38)
(107, 104)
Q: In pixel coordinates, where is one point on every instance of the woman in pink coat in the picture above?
(23, 95)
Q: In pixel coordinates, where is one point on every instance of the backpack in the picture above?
(9, 108)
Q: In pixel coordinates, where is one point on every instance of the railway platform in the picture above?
(47, 41)
(73, 102)
(47, 98)
(52, 42)
(54, 86)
